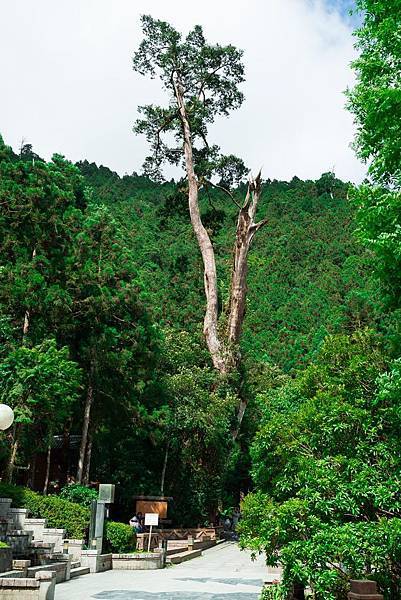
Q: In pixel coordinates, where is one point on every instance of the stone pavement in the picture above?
(222, 573)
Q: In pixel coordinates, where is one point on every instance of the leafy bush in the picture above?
(120, 537)
(274, 592)
(59, 513)
(4, 545)
(79, 494)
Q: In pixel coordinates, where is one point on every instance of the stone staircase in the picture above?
(77, 570)
(38, 547)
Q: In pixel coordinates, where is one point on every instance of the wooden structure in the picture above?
(152, 504)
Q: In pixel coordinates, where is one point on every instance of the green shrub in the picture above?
(79, 494)
(120, 537)
(274, 592)
(59, 513)
(4, 545)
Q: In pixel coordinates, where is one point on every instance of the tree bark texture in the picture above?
(13, 454)
(210, 329)
(222, 352)
(246, 229)
(88, 458)
(85, 426)
(48, 464)
(163, 478)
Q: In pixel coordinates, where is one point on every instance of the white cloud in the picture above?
(68, 86)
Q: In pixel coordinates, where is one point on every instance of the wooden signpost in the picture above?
(151, 520)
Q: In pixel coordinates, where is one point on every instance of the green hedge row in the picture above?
(58, 512)
(63, 514)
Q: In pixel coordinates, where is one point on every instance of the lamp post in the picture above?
(6, 417)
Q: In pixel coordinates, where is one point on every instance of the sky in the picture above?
(68, 84)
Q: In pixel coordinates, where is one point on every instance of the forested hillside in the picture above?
(307, 274)
(102, 305)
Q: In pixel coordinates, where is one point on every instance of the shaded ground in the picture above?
(222, 573)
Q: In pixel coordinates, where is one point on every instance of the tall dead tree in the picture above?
(202, 82)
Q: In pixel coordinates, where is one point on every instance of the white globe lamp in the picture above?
(6, 416)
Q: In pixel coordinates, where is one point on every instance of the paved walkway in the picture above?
(221, 573)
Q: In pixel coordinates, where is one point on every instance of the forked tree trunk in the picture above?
(224, 353)
(85, 426)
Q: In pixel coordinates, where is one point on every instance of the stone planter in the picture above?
(96, 562)
(6, 559)
(138, 561)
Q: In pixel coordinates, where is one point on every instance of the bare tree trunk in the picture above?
(85, 426)
(246, 229)
(224, 354)
(88, 457)
(163, 479)
(48, 463)
(205, 245)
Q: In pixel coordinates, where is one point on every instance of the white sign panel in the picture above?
(152, 519)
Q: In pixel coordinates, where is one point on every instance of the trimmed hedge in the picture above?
(59, 513)
(63, 514)
(120, 537)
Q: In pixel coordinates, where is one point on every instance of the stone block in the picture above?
(6, 559)
(141, 561)
(37, 527)
(95, 561)
(364, 589)
(18, 517)
(5, 505)
(74, 548)
(54, 536)
(19, 541)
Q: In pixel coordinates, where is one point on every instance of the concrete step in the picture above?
(177, 559)
(75, 564)
(78, 571)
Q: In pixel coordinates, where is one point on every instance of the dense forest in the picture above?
(102, 297)
(117, 304)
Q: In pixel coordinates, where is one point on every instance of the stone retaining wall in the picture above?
(97, 563)
(138, 561)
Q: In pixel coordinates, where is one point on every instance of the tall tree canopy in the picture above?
(202, 82)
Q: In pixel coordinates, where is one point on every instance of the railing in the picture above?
(199, 534)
